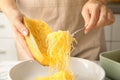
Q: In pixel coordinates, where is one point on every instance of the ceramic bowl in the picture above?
(110, 61)
(83, 70)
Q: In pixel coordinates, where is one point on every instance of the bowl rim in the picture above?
(107, 53)
(101, 69)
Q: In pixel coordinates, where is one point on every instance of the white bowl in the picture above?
(82, 68)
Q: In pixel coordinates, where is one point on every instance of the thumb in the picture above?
(21, 28)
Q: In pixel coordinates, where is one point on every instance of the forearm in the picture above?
(7, 5)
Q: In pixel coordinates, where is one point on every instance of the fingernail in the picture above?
(86, 31)
(25, 32)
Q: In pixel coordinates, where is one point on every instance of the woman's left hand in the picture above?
(96, 14)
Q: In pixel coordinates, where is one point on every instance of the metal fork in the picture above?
(77, 31)
(73, 34)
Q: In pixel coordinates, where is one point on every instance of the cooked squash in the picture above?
(59, 46)
(50, 48)
(61, 75)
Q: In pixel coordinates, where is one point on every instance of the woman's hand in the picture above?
(16, 19)
(20, 31)
(96, 14)
(9, 7)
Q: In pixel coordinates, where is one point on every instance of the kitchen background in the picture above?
(7, 45)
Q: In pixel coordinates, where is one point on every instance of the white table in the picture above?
(5, 66)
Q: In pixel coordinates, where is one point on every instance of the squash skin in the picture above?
(36, 40)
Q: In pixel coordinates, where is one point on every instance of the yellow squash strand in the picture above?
(59, 46)
(61, 75)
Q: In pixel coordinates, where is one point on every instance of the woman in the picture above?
(64, 15)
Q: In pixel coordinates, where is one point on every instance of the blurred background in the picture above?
(7, 45)
(112, 32)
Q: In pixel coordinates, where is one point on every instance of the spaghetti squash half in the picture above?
(50, 48)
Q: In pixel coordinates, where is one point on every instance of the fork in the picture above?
(77, 31)
(74, 33)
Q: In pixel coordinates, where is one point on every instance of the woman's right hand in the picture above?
(20, 31)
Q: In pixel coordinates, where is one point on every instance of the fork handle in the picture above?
(78, 31)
